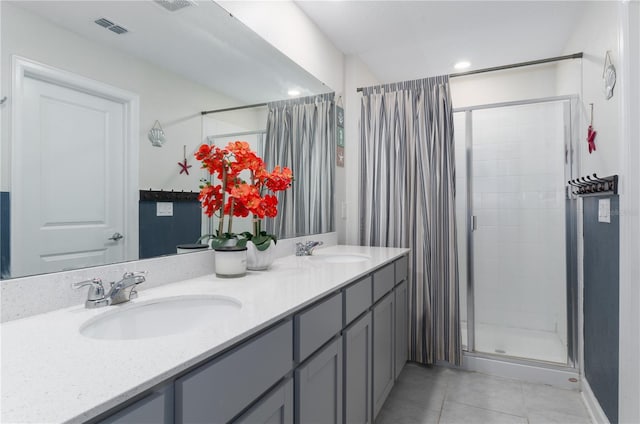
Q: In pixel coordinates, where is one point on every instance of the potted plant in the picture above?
(232, 196)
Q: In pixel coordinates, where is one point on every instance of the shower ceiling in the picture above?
(400, 40)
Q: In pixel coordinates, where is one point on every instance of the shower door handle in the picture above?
(474, 222)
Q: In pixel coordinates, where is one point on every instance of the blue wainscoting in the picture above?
(159, 235)
(5, 233)
(601, 303)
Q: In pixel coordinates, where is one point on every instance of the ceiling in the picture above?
(201, 42)
(402, 40)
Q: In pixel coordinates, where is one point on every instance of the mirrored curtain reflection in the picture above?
(301, 136)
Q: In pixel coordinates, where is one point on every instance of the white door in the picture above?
(71, 171)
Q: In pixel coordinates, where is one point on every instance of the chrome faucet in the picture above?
(125, 289)
(306, 249)
(120, 292)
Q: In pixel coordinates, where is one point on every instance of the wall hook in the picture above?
(4, 99)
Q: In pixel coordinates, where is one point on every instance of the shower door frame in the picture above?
(570, 165)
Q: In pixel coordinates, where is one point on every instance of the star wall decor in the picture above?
(184, 166)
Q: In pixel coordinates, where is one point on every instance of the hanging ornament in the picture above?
(183, 165)
(591, 133)
(608, 76)
(156, 135)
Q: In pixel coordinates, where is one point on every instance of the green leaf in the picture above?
(217, 242)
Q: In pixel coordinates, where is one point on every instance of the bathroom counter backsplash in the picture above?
(52, 373)
(37, 294)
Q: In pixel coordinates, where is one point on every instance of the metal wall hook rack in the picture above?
(592, 185)
(168, 196)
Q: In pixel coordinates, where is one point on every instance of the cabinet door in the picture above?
(402, 326)
(318, 385)
(275, 408)
(358, 372)
(221, 389)
(383, 351)
(156, 408)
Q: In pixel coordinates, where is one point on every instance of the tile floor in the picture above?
(447, 396)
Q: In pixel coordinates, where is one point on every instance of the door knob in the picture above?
(116, 237)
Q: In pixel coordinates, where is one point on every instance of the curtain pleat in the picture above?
(301, 135)
(407, 179)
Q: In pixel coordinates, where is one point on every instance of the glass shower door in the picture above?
(518, 255)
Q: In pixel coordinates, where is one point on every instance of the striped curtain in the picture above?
(407, 180)
(301, 135)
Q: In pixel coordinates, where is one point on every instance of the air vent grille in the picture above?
(106, 23)
(118, 29)
(174, 5)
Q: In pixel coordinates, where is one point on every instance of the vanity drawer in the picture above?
(357, 299)
(317, 325)
(155, 408)
(402, 269)
(219, 390)
(383, 281)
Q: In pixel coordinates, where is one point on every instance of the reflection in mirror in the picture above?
(82, 98)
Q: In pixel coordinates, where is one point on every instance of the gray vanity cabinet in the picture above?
(402, 326)
(318, 387)
(358, 371)
(317, 325)
(274, 408)
(383, 350)
(155, 408)
(219, 390)
(333, 362)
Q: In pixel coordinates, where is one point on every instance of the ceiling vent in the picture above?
(117, 29)
(106, 23)
(174, 5)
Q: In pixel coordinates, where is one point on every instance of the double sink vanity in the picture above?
(320, 339)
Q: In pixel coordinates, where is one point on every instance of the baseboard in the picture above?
(593, 406)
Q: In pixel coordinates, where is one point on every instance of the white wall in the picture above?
(629, 95)
(172, 100)
(531, 82)
(595, 33)
(286, 27)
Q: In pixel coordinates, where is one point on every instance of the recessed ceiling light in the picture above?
(463, 64)
(293, 92)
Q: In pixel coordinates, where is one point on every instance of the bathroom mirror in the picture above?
(168, 60)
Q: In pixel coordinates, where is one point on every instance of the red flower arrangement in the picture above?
(233, 196)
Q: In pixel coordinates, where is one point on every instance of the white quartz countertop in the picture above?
(52, 374)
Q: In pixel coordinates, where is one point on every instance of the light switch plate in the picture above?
(604, 210)
(164, 209)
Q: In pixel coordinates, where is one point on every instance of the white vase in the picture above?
(260, 260)
(231, 261)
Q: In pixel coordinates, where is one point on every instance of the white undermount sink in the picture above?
(339, 258)
(161, 317)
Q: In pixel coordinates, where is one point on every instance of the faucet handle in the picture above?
(138, 276)
(96, 289)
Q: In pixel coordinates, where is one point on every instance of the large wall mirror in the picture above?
(76, 73)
